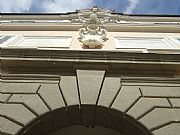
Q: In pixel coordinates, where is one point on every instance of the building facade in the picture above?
(92, 71)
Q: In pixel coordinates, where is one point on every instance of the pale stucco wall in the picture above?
(108, 45)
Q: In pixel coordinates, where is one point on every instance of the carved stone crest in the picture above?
(92, 34)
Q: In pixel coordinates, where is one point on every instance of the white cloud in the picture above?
(132, 5)
(15, 5)
(66, 5)
(44, 5)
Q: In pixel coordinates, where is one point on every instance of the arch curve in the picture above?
(86, 116)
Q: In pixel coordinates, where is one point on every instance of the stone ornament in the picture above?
(92, 34)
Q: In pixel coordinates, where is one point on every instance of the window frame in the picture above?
(169, 41)
(18, 39)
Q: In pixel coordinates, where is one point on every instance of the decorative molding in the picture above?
(92, 34)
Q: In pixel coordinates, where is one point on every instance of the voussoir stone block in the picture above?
(4, 97)
(126, 98)
(158, 117)
(19, 87)
(32, 101)
(69, 89)
(8, 127)
(176, 114)
(175, 102)
(146, 104)
(110, 88)
(51, 95)
(172, 129)
(17, 112)
(89, 82)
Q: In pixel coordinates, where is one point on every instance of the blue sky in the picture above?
(121, 6)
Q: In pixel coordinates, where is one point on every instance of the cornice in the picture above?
(94, 54)
(72, 21)
(156, 28)
(27, 61)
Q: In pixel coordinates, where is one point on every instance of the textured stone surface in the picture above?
(17, 112)
(89, 85)
(8, 127)
(172, 129)
(126, 98)
(176, 112)
(161, 91)
(32, 101)
(51, 94)
(158, 117)
(69, 89)
(175, 102)
(110, 88)
(19, 87)
(144, 105)
(151, 107)
(4, 97)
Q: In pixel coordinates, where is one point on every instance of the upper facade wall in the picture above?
(72, 21)
(119, 41)
(136, 33)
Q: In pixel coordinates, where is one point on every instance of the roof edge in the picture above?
(68, 13)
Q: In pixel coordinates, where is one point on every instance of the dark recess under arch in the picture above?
(72, 115)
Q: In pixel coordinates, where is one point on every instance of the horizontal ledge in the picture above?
(133, 61)
(126, 80)
(88, 56)
(76, 27)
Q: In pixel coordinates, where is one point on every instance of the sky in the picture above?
(121, 6)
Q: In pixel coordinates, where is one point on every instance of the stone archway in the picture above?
(67, 120)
